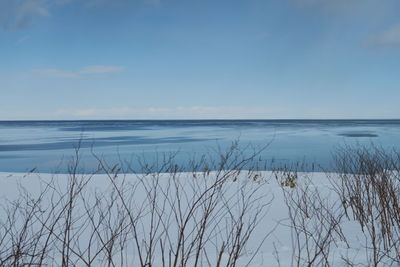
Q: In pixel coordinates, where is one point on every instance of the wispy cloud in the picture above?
(389, 37)
(22, 39)
(18, 14)
(181, 112)
(305, 3)
(331, 4)
(100, 3)
(357, 6)
(153, 2)
(263, 35)
(100, 69)
(95, 3)
(88, 71)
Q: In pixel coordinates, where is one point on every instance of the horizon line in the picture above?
(285, 119)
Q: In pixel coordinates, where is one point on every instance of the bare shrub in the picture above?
(368, 186)
(314, 219)
(156, 217)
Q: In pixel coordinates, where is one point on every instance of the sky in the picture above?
(199, 59)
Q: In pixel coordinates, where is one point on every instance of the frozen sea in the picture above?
(48, 146)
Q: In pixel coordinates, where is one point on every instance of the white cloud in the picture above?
(305, 3)
(263, 35)
(100, 69)
(96, 3)
(22, 39)
(389, 37)
(99, 3)
(18, 14)
(89, 71)
(332, 4)
(62, 2)
(353, 7)
(182, 112)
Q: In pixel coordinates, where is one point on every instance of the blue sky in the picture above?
(191, 59)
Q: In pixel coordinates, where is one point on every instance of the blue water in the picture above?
(49, 145)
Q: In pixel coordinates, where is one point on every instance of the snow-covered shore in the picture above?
(273, 241)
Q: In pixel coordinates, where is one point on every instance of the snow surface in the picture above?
(277, 245)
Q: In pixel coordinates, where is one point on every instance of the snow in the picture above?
(272, 238)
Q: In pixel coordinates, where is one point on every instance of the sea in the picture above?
(52, 146)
